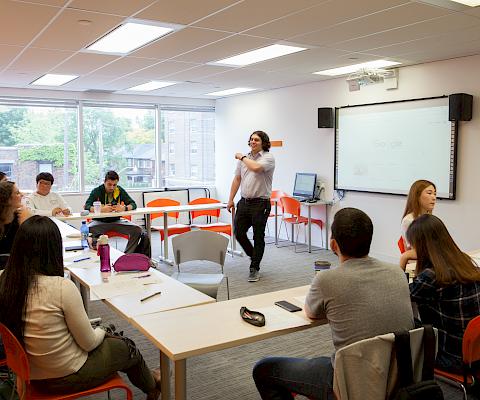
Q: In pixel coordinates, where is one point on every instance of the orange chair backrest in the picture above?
(163, 203)
(277, 194)
(471, 341)
(201, 213)
(16, 357)
(401, 245)
(290, 206)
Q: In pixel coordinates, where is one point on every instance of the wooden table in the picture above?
(187, 332)
(163, 210)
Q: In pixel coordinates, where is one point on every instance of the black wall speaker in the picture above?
(460, 107)
(325, 118)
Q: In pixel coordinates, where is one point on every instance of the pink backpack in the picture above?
(132, 262)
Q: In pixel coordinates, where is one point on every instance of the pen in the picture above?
(82, 259)
(149, 297)
(142, 276)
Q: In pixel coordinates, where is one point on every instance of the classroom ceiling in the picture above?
(50, 36)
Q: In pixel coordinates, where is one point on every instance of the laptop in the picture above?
(304, 187)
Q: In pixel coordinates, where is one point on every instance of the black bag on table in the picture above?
(427, 388)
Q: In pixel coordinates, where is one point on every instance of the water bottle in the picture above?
(103, 250)
(84, 232)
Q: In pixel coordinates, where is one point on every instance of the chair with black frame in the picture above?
(17, 361)
(471, 361)
(200, 245)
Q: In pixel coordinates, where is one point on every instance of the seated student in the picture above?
(362, 298)
(114, 198)
(45, 202)
(446, 288)
(421, 200)
(12, 214)
(45, 312)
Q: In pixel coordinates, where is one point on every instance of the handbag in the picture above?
(132, 262)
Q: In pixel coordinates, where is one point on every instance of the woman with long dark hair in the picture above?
(45, 312)
(446, 288)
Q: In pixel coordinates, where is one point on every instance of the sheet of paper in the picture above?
(114, 288)
(144, 278)
(277, 318)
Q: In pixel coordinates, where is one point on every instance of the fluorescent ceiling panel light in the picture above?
(471, 3)
(230, 91)
(353, 68)
(128, 37)
(152, 85)
(265, 53)
(54, 80)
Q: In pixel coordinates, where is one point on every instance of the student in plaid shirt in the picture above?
(446, 289)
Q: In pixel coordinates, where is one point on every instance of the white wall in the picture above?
(290, 114)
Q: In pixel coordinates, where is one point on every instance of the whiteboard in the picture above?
(384, 148)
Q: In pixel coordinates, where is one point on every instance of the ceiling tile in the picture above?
(124, 66)
(162, 69)
(11, 78)
(7, 54)
(183, 11)
(225, 48)
(179, 42)
(449, 23)
(66, 33)
(57, 3)
(115, 7)
(83, 63)
(378, 22)
(195, 73)
(240, 16)
(323, 15)
(39, 60)
(18, 30)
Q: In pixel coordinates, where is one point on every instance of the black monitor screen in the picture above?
(305, 185)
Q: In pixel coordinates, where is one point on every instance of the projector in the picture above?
(364, 77)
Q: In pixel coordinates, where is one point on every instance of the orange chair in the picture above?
(219, 227)
(275, 198)
(401, 245)
(292, 207)
(112, 234)
(470, 354)
(17, 361)
(175, 229)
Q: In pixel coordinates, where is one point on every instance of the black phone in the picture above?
(288, 306)
(73, 248)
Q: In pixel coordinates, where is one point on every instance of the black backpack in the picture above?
(427, 388)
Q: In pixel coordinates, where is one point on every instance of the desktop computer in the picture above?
(305, 186)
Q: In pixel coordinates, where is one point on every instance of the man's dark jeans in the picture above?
(252, 213)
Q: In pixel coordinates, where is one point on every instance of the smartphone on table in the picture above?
(288, 306)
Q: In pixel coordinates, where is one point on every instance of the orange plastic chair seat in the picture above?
(452, 376)
(220, 228)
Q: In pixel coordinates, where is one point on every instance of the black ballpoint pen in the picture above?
(149, 297)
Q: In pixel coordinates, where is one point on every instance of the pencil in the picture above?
(149, 297)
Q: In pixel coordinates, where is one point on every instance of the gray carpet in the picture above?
(227, 374)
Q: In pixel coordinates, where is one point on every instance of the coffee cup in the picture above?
(97, 207)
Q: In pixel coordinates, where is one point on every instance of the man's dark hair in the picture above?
(46, 176)
(2, 175)
(111, 176)
(352, 229)
(265, 140)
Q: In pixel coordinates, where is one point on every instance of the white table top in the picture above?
(197, 330)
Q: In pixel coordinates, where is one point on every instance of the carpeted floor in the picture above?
(227, 374)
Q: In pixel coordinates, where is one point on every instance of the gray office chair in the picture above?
(201, 245)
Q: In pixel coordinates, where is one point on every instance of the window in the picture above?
(191, 149)
(111, 135)
(7, 168)
(35, 137)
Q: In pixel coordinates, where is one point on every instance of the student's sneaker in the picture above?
(254, 275)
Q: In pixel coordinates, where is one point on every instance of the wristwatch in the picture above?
(242, 158)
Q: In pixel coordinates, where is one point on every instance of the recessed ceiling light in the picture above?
(352, 68)
(128, 37)
(265, 53)
(54, 80)
(230, 91)
(152, 85)
(471, 3)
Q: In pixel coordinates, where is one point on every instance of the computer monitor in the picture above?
(305, 185)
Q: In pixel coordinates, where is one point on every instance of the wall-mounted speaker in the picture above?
(460, 107)
(325, 117)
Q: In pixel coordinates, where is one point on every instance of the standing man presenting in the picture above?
(254, 175)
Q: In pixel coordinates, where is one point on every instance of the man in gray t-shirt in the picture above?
(362, 298)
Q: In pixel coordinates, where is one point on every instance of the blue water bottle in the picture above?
(84, 232)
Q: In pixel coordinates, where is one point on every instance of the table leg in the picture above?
(309, 223)
(180, 380)
(148, 228)
(165, 235)
(326, 227)
(276, 223)
(165, 376)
